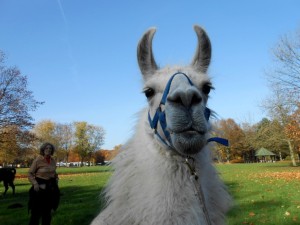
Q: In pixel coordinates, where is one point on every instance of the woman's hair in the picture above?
(43, 147)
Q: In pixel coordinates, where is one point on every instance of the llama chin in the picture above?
(164, 173)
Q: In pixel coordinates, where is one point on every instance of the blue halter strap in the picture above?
(160, 117)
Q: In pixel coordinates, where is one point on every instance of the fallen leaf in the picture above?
(251, 214)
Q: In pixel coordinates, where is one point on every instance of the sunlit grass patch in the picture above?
(263, 193)
(80, 197)
(266, 193)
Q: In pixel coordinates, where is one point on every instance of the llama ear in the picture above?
(202, 56)
(145, 57)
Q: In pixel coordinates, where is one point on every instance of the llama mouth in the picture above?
(189, 132)
(194, 132)
(189, 142)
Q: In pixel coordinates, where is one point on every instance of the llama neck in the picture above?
(165, 178)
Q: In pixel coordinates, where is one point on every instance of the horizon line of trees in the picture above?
(245, 139)
(78, 139)
(280, 132)
(20, 138)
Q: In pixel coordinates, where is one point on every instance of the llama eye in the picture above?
(206, 88)
(149, 92)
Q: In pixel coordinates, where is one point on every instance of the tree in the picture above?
(285, 74)
(249, 131)
(99, 157)
(284, 80)
(292, 130)
(15, 147)
(45, 131)
(79, 137)
(279, 106)
(9, 147)
(65, 136)
(16, 101)
(270, 135)
(231, 131)
(60, 135)
(88, 138)
(95, 139)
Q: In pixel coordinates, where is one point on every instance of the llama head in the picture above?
(177, 96)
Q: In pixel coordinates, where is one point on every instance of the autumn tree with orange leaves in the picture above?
(230, 130)
(292, 129)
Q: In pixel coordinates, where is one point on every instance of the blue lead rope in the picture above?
(161, 117)
(219, 140)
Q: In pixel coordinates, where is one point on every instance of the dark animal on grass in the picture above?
(15, 206)
(7, 175)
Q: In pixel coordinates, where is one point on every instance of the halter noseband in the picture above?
(160, 117)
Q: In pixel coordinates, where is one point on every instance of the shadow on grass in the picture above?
(21, 184)
(78, 205)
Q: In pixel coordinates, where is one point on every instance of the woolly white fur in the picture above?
(153, 186)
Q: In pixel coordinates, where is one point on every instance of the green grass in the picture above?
(266, 193)
(72, 170)
(80, 200)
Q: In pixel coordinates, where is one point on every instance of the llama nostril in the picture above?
(186, 99)
(176, 98)
(196, 100)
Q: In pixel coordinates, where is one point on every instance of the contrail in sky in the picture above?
(62, 13)
(70, 51)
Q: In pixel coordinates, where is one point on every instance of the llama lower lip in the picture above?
(194, 132)
(188, 132)
(191, 132)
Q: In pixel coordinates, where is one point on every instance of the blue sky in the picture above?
(80, 56)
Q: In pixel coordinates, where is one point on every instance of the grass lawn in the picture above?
(266, 193)
(80, 200)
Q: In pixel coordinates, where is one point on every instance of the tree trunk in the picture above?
(81, 163)
(228, 155)
(67, 156)
(280, 156)
(292, 153)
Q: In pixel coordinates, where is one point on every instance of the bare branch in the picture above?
(16, 101)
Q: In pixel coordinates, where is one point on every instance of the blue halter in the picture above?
(160, 117)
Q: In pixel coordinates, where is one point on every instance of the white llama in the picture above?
(163, 175)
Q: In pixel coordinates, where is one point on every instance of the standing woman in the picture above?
(44, 194)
